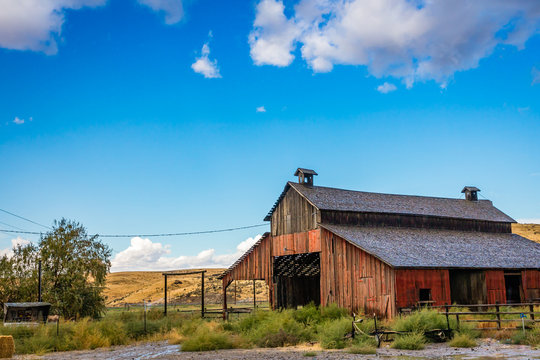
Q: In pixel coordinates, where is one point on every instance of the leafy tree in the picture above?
(75, 266)
(74, 270)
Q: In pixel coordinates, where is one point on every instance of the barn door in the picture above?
(468, 287)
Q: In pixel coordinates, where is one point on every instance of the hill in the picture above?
(133, 287)
(530, 231)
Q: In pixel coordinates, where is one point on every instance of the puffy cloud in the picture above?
(19, 241)
(18, 121)
(272, 39)
(260, 109)
(35, 24)
(172, 9)
(203, 65)
(535, 76)
(386, 88)
(143, 254)
(413, 40)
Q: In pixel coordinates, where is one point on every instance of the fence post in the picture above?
(447, 316)
(457, 321)
(498, 315)
(531, 309)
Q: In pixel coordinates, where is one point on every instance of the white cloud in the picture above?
(35, 24)
(172, 9)
(260, 109)
(386, 88)
(203, 65)
(19, 241)
(18, 121)
(535, 76)
(272, 39)
(529, 221)
(413, 40)
(143, 254)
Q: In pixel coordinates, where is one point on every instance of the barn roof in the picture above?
(429, 248)
(326, 198)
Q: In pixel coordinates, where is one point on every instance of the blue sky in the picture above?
(166, 116)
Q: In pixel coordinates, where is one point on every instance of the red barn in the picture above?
(382, 253)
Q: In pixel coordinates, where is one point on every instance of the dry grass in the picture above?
(7, 347)
(530, 231)
(134, 286)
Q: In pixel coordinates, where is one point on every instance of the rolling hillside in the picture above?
(133, 287)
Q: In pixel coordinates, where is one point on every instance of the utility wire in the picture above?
(20, 217)
(12, 226)
(151, 235)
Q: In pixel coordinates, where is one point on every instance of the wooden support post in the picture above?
(497, 309)
(235, 292)
(225, 301)
(447, 317)
(457, 322)
(165, 296)
(531, 309)
(202, 294)
(254, 300)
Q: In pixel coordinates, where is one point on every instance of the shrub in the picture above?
(205, 339)
(308, 315)
(364, 350)
(462, 341)
(332, 333)
(420, 321)
(414, 341)
(310, 354)
(333, 312)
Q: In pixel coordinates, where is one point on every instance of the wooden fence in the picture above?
(528, 317)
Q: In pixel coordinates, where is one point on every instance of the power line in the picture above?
(12, 226)
(20, 217)
(152, 235)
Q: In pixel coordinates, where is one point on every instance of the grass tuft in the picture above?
(363, 350)
(414, 341)
(462, 341)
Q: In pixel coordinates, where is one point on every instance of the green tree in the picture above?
(75, 266)
(74, 270)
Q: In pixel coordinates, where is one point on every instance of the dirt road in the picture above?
(486, 349)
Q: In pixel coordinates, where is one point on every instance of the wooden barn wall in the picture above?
(531, 284)
(293, 214)
(258, 265)
(496, 291)
(409, 283)
(413, 221)
(353, 279)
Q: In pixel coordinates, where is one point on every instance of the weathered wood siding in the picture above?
(297, 243)
(531, 284)
(414, 221)
(354, 279)
(409, 283)
(496, 291)
(294, 214)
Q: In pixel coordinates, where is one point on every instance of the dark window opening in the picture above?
(512, 282)
(425, 295)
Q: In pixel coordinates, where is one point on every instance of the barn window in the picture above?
(425, 295)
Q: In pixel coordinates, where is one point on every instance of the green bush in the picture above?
(462, 341)
(332, 333)
(310, 354)
(333, 312)
(206, 339)
(420, 321)
(414, 341)
(279, 329)
(529, 337)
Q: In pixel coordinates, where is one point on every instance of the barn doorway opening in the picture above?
(512, 284)
(468, 287)
(297, 279)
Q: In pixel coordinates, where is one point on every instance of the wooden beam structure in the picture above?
(167, 274)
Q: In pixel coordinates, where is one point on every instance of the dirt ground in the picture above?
(487, 349)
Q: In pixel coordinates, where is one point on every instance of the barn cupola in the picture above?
(471, 193)
(305, 176)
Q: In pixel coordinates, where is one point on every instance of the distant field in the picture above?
(530, 231)
(133, 287)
